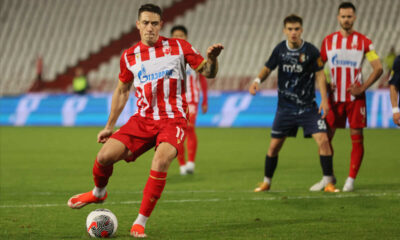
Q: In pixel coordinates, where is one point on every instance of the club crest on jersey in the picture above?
(167, 50)
(302, 58)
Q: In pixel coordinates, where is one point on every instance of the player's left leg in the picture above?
(167, 146)
(191, 147)
(163, 157)
(181, 158)
(191, 138)
(357, 154)
(325, 156)
(357, 116)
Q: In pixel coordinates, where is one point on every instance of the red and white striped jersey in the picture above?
(195, 83)
(345, 56)
(159, 76)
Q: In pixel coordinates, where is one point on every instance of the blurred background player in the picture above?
(394, 85)
(345, 50)
(156, 67)
(80, 83)
(299, 65)
(194, 82)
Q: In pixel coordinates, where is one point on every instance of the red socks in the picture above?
(101, 174)
(191, 143)
(181, 154)
(357, 154)
(152, 192)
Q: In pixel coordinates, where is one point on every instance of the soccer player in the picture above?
(394, 85)
(345, 50)
(156, 68)
(193, 83)
(299, 64)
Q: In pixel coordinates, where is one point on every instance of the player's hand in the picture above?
(355, 89)
(104, 135)
(324, 106)
(204, 108)
(254, 88)
(214, 50)
(396, 119)
(331, 87)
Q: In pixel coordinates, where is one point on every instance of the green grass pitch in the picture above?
(41, 167)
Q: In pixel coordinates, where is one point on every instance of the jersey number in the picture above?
(180, 133)
(321, 124)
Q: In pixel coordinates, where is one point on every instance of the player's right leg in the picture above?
(111, 152)
(271, 161)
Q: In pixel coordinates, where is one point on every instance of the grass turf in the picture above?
(41, 167)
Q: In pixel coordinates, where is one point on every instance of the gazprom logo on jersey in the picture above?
(336, 61)
(143, 77)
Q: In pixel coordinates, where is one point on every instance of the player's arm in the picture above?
(394, 96)
(255, 85)
(204, 87)
(210, 68)
(377, 71)
(321, 80)
(119, 99)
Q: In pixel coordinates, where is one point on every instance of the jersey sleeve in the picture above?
(191, 55)
(369, 50)
(317, 63)
(273, 59)
(324, 55)
(125, 75)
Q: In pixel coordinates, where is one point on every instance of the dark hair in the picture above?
(292, 18)
(180, 28)
(150, 8)
(347, 5)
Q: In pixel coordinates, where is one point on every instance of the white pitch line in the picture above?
(330, 196)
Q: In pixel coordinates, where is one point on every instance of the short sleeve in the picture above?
(191, 55)
(125, 75)
(368, 46)
(324, 55)
(317, 63)
(273, 59)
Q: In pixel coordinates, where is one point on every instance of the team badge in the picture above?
(319, 62)
(302, 58)
(167, 50)
(354, 46)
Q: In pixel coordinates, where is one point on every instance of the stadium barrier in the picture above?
(226, 109)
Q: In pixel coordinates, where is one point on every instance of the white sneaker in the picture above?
(190, 167)
(349, 185)
(319, 186)
(182, 170)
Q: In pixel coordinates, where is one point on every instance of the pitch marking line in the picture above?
(331, 196)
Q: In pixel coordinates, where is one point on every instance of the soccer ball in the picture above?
(101, 223)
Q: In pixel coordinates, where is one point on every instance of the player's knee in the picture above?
(105, 158)
(324, 146)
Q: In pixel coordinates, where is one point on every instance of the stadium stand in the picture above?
(90, 33)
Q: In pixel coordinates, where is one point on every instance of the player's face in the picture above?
(346, 18)
(179, 34)
(293, 32)
(149, 25)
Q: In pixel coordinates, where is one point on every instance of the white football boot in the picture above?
(319, 186)
(190, 167)
(349, 185)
